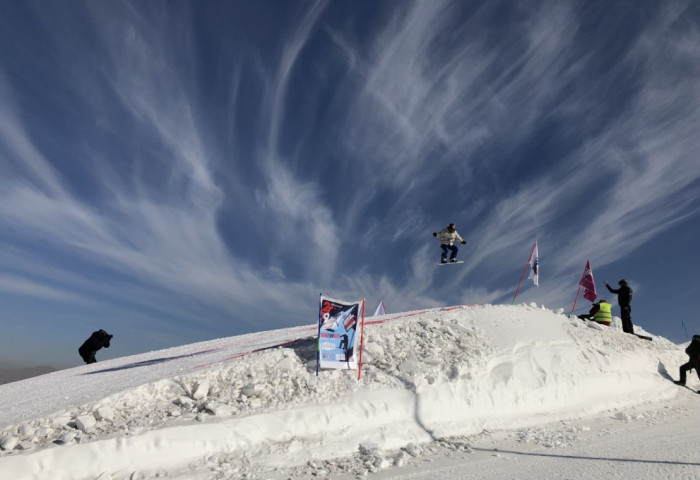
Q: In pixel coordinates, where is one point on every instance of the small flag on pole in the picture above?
(588, 283)
(380, 309)
(535, 266)
(533, 263)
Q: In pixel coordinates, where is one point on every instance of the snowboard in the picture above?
(698, 392)
(450, 263)
(686, 386)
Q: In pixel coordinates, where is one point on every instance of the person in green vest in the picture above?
(600, 312)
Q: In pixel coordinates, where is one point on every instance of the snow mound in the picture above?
(429, 378)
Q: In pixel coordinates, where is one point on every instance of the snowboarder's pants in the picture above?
(452, 248)
(626, 317)
(685, 368)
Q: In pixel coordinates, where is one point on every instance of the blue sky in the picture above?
(179, 171)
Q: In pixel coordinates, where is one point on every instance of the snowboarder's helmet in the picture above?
(622, 281)
(451, 226)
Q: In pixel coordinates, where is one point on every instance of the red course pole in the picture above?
(362, 338)
(576, 299)
(523, 275)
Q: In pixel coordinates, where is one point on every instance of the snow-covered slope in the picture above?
(251, 404)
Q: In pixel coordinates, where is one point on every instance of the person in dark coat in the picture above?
(693, 352)
(624, 298)
(90, 347)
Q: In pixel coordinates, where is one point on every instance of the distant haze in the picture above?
(8, 375)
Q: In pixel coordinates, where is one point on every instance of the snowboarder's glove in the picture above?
(463, 242)
(434, 234)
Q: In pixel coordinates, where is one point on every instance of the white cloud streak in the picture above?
(438, 103)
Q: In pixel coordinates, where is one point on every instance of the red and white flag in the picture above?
(588, 283)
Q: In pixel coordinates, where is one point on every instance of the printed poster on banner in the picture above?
(338, 333)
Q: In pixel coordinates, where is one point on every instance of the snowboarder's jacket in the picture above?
(624, 294)
(448, 237)
(603, 315)
(693, 352)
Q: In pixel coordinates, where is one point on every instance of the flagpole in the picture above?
(576, 299)
(318, 336)
(362, 342)
(527, 264)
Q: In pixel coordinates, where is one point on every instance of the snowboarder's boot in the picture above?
(453, 260)
(443, 259)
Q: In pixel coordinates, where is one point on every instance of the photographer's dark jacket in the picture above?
(96, 341)
(624, 295)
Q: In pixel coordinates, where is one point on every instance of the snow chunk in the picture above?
(218, 409)
(374, 349)
(202, 390)
(66, 438)
(286, 364)
(413, 450)
(61, 421)
(408, 367)
(26, 431)
(85, 423)
(104, 413)
(8, 442)
(44, 432)
(251, 390)
(185, 402)
(432, 360)
(25, 445)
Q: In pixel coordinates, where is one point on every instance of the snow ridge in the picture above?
(432, 379)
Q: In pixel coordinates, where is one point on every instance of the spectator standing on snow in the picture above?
(693, 352)
(90, 347)
(624, 298)
(601, 312)
(447, 238)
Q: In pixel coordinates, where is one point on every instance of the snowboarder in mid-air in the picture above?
(447, 238)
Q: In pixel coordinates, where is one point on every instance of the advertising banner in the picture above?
(339, 333)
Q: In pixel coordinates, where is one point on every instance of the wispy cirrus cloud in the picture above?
(212, 174)
(157, 226)
(429, 121)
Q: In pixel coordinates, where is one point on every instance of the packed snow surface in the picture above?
(438, 388)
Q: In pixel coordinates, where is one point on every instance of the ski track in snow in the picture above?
(440, 388)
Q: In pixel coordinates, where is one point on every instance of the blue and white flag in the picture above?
(380, 309)
(535, 266)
